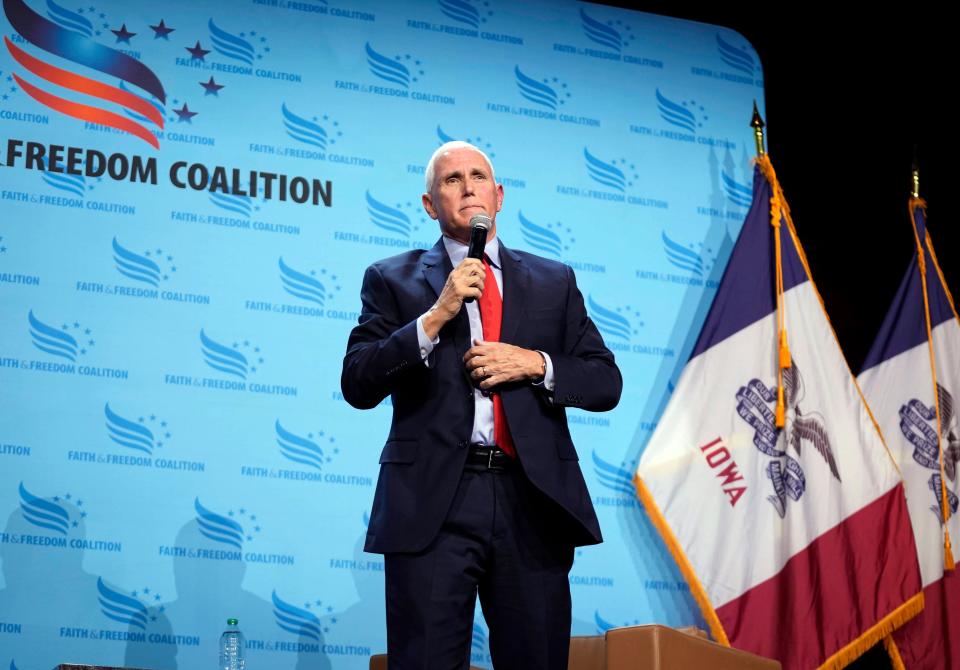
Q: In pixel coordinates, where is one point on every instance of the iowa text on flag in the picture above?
(766, 475)
(911, 378)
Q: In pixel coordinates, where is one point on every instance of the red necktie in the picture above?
(491, 315)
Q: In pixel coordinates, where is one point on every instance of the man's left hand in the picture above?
(493, 363)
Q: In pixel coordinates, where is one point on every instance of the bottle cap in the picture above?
(232, 622)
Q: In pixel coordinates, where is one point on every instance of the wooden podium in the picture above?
(651, 647)
(656, 647)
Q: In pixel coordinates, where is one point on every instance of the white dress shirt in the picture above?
(483, 404)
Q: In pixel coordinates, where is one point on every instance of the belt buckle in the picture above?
(494, 467)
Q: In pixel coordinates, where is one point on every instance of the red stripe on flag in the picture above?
(832, 592)
(81, 84)
(932, 639)
(88, 113)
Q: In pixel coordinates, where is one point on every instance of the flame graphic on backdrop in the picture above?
(238, 204)
(735, 57)
(70, 20)
(302, 285)
(739, 194)
(128, 433)
(221, 357)
(295, 620)
(75, 184)
(43, 513)
(605, 173)
(676, 114)
(230, 45)
(121, 607)
(299, 449)
(681, 256)
(535, 91)
(602, 624)
(218, 527)
(479, 638)
(135, 266)
(80, 48)
(386, 217)
(540, 238)
(303, 130)
(387, 68)
(613, 477)
(609, 322)
(462, 11)
(49, 339)
(601, 33)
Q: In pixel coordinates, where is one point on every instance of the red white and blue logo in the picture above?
(38, 74)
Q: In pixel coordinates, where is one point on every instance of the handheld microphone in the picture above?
(479, 227)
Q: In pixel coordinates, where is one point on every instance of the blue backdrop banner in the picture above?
(189, 195)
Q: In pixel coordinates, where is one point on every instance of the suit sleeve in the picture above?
(585, 373)
(381, 347)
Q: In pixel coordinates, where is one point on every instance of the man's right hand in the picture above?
(466, 281)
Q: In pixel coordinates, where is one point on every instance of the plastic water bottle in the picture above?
(232, 644)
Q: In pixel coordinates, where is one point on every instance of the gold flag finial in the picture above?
(757, 124)
(915, 175)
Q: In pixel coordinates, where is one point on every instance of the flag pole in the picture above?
(776, 216)
(757, 123)
(915, 175)
(915, 203)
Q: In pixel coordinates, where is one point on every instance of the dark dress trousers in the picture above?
(447, 531)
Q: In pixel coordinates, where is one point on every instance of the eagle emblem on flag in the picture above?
(918, 423)
(755, 403)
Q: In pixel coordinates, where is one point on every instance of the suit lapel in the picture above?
(516, 286)
(436, 266)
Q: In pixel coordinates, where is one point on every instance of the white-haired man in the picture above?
(480, 489)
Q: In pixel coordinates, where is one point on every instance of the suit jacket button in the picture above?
(462, 444)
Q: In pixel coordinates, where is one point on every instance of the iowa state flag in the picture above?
(911, 379)
(795, 540)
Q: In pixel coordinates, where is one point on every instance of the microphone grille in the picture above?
(480, 221)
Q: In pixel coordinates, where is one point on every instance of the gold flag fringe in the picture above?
(896, 662)
(875, 633)
(686, 569)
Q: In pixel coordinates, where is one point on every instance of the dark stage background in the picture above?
(848, 98)
(848, 95)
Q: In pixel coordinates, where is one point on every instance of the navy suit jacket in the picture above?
(433, 406)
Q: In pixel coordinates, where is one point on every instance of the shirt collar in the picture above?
(457, 251)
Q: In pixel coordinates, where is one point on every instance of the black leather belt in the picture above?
(482, 457)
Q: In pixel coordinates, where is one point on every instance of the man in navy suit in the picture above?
(480, 489)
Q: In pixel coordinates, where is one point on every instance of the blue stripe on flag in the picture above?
(747, 291)
(904, 326)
